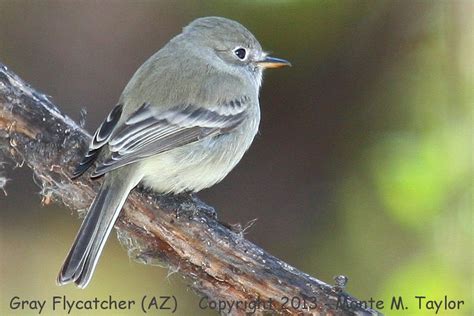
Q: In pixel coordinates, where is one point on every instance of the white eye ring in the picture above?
(241, 53)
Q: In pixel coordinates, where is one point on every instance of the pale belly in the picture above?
(198, 165)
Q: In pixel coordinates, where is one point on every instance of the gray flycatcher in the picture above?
(182, 123)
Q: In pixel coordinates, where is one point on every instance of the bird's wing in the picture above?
(100, 138)
(146, 133)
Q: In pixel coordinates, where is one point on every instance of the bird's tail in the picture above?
(82, 259)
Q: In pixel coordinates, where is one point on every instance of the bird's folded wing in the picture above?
(146, 133)
(100, 138)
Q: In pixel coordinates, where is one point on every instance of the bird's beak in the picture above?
(273, 62)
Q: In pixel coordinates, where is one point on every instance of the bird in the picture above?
(181, 124)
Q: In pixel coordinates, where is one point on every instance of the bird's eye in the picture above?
(240, 52)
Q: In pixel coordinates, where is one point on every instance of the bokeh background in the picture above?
(363, 166)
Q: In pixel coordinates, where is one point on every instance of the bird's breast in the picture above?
(201, 164)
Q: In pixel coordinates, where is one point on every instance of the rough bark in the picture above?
(177, 231)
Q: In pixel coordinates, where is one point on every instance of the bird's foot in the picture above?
(184, 204)
(189, 205)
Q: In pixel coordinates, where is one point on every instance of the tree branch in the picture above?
(178, 231)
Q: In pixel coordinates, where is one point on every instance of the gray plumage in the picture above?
(182, 123)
